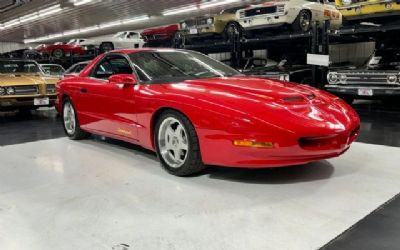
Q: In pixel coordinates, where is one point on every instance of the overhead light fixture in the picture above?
(81, 2)
(32, 16)
(11, 23)
(50, 11)
(135, 19)
(110, 24)
(177, 11)
(88, 29)
(217, 3)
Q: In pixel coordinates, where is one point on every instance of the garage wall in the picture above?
(9, 46)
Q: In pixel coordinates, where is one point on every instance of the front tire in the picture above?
(177, 144)
(303, 21)
(70, 121)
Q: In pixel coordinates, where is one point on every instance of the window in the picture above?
(169, 66)
(112, 65)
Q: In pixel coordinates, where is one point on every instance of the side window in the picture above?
(112, 65)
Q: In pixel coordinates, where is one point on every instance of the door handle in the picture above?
(83, 90)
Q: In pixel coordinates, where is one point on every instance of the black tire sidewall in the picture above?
(78, 133)
(297, 24)
(193, 144)
(54, 52)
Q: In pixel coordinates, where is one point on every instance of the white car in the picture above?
(298, 13)
(121, 40)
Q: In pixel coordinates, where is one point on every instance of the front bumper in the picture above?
(267, 21)
(369, 10)
(12, 103)
(219, 150)
(377, 91)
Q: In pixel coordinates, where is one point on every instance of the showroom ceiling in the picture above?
(40, 18)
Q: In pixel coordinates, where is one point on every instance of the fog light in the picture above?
(253, 144)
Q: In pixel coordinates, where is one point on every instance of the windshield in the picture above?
(73, 42)
(54, 70)
(19, 67)
(385, 59)
(167, 66)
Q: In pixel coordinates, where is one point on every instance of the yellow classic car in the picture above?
(224, 24)
(352, 9)
(24, 86)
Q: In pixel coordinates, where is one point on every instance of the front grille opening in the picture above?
(318, 142)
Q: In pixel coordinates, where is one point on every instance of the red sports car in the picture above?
(160, 35)
(59, 50)
(194, 111)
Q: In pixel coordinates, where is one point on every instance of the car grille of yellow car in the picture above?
(26, 90)
(196, 22)
(51, 89)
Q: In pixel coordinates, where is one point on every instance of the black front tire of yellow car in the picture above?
(193, 163)
(303, 21)
(77, 133)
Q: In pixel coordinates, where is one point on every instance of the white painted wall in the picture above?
(9, 46)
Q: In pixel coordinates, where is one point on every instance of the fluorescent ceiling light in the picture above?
(50, 11)
(71, 32)
(81, 2)
(88, 29)
(217, 3)
(180, 10)
(11, 23)
(29, 17)
(135, 19)
(32, 16)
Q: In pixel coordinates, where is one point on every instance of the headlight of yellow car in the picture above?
(10, 90)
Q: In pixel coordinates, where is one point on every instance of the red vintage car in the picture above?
(194, 111)
(60, 50)
(160, 35)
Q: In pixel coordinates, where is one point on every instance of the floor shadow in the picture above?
(284, 175)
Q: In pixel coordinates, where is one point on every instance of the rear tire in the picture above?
(177, 144)
(232, 31)
(70, 121)
(58, 53)
(178, 41)
(303, 21)
(106, 47)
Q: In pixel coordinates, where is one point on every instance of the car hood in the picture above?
(25, 79)
(259, 100)
(287, 69)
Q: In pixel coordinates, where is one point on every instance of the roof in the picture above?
(131, 51)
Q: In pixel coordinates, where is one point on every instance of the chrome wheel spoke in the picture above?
(173, 142)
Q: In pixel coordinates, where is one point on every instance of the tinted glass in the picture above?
(19, 67)
(112, 65)
(170, 66)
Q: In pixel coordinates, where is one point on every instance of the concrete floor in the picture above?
(96, 195)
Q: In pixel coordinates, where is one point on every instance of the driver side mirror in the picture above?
(123, 80)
